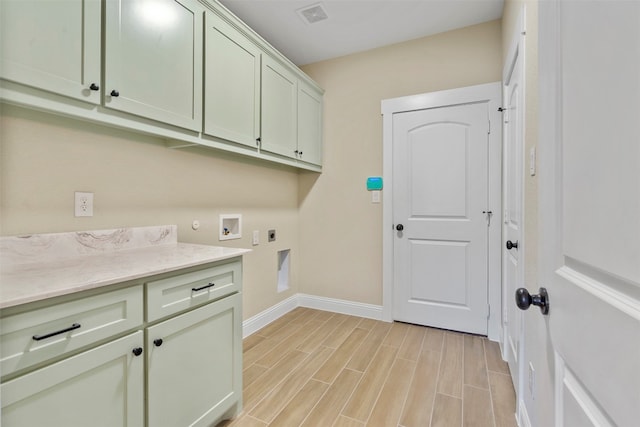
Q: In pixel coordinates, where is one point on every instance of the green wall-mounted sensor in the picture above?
(374, 183)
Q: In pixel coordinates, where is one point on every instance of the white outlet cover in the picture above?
(256, 237)
(83, 204)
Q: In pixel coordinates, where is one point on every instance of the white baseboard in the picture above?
(359, 309)
(267, 316)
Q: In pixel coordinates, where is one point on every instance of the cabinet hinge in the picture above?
(488, 311)
(489, 130)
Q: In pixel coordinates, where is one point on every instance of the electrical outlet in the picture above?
(256, 237)
(83, 204)
(271, 235)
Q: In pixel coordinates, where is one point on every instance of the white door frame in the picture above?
(517, 52)
(491, 93)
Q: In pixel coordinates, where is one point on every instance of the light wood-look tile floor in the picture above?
(315, 368)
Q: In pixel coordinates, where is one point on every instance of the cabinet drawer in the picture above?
(35, 336)
(179, 293)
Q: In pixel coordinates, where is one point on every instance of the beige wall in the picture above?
(137, 181)
(340, 229)
(327, 220)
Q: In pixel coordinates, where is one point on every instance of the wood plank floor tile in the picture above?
(368, 349)
(337, 361)
(281, 394)
(289, 343)
(341, 332)
(343, 421)
(375, 373)
(476, 407)
(367, 324)
(503, 398)
(388, 407)
(412, 343)
(475, 367)
(396, 335)
(447, 411)
(255, 391)
(252, 373)
(433, 340)
(328, 408)
(419, 405)
(301, 405)
(251, 341)
(494, 357)
(365, 396)
(315, 340)
(450, 379)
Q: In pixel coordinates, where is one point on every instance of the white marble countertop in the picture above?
(38, 267)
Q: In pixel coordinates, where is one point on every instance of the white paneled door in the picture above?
(513, 247)
(590, 207)
(440, 190)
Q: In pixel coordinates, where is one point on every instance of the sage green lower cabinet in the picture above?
(162, 351)
(192, 361)
(101, 387)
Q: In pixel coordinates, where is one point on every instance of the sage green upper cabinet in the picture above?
(279, 108)
(52, 45)
(231, 83)
(153, 60)
(309, 124)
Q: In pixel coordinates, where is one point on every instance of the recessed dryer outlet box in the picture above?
(230, 226)
(271, 234)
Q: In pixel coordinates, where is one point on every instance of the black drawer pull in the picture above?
(210, 285)
(70, 328)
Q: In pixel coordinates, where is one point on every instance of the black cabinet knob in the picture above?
(94, 86)
(158, 342)
(137, 351)
(511, 245)
(399, 227)
(524, 300)
(115, 93)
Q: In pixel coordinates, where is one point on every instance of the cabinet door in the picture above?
(309, 124)
(153, 60)
(52, 45)
(194, 373)
(102, 387)
(231, 84)
(279, 99)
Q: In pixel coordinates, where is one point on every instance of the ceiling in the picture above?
(356, 25)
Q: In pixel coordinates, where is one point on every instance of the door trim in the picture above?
(490, 93)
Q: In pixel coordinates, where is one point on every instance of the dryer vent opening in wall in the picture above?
(283, 270)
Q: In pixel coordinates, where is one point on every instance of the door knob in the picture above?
(524, 300)
(94, 86)
(158, 342)
(115, 93)
(511, 245)
(399, 227)
(137, 351)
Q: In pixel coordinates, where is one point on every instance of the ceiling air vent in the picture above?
(312, 14)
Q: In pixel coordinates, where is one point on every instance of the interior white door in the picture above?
(590, 206)
(440, 188)
(513, 275)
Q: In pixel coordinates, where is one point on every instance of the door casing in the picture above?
(491, 93)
